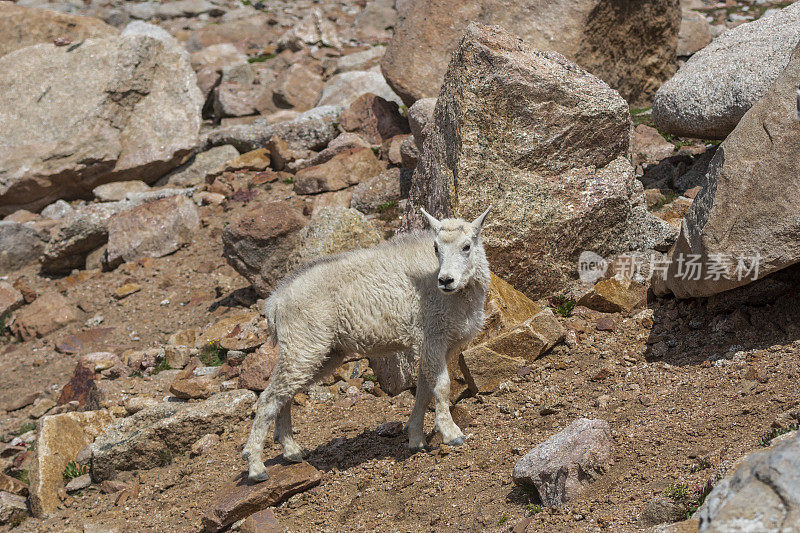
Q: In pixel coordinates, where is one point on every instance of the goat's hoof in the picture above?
(258, 477)
(294, 457)
(419, 448)
(458, 441)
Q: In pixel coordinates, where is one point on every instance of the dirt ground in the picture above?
(681, 417)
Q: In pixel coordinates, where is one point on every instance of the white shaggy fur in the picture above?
(422, 292)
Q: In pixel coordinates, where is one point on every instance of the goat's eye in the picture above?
(466, 248)
(436, 248)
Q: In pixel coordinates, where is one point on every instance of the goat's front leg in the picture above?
(434, 366)
(416, 422)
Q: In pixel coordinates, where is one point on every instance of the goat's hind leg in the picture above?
(284, 435)
(292, 374)
(253, 453)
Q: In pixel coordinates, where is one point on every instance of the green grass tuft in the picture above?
(677, 492)
(161, 366)
(22, 475)
(73, 470)
(669, 197)
(562, 305)
(213, 354)
(766, 438)
(260, 58)
(24, 428)
(535, 508)
(386, 206)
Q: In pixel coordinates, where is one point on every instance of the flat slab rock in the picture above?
(559, 467)
(145, 439)
(241, 499)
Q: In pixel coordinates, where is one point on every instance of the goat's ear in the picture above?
(435, 224)
(477, 224)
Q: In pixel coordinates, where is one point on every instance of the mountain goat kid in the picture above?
(423, 292)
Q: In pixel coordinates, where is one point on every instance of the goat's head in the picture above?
(459, 249)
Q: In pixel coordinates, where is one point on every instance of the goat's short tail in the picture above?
(270, 313)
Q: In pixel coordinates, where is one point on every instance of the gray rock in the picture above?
(345, 88)
(116, 191)
(20, 245)
(762, 495)
(143, 197)
(150, 437)
(559, 467)
(695, 32)
(409, 156)
(714, 89)
(738, 225)
(57, 210)
(78, 483)
(544, 142)
(80, 231)
(12, 507)
(696, 175)
(297, 87)
(334, 230)
(376, 21)
(107, 110)
(419, 116)
(154, 229)
(315, 28)
(61, 437)
(137, 27)
(375, 192)
(312, 130)
(360, 60)
(11, 300)
(195, 171)
(345, 141)
(243, 90)
(662, 510)
(170, 10)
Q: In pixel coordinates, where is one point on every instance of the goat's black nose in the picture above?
(445, 280)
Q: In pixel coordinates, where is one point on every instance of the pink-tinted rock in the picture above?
(50, 312)
(374, 118)
(241, 499)
(343, 170)
(561, 466)
(257, 368)
(153, 229)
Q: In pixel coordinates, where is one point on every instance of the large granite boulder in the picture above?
(763, 494)
(717, 85)
(544, 142)
(596, 34)
(101, 110)
(744, 224)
